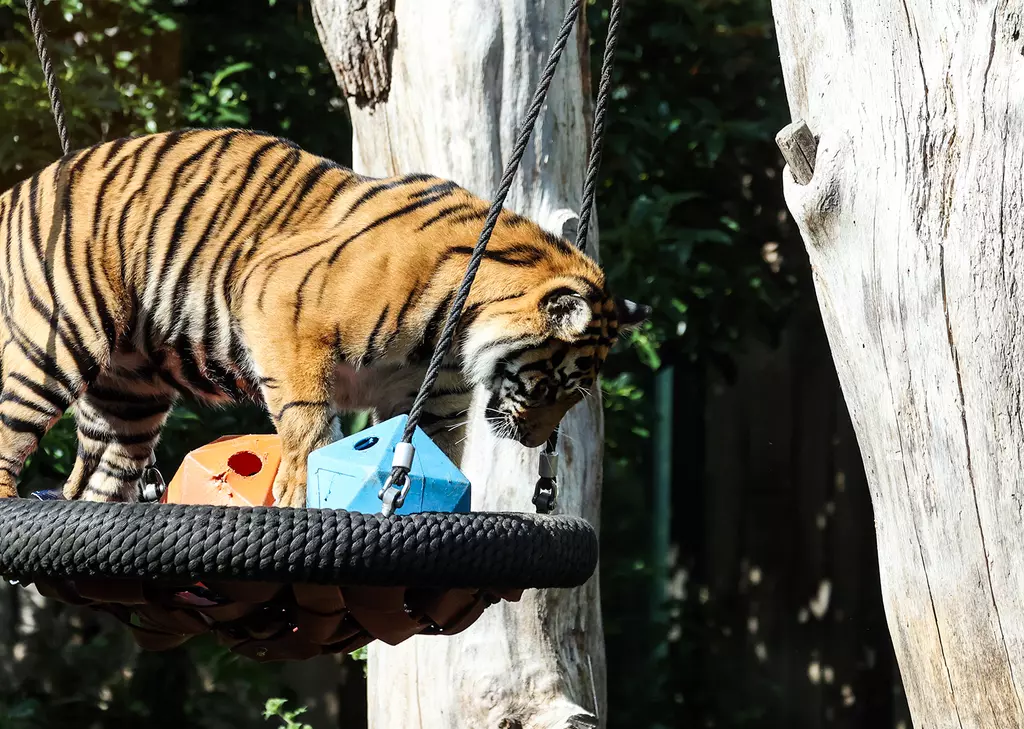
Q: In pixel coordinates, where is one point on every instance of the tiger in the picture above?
(231, 265)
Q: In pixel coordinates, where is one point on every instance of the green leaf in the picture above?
(234, 68)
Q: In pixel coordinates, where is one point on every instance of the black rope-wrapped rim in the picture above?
(74, 539)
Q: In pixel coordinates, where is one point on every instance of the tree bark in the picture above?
(461, 77)
(913, 225)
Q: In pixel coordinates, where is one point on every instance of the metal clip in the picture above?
(546, 491)
(152, 486)
(392, 496)
(545, 494)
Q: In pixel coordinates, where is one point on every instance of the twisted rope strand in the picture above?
(455, 312)
(587, 202)
(447, 337)
(56, 104)
(597, 136)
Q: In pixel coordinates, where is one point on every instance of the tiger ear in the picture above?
(630, 314)
(567, 313)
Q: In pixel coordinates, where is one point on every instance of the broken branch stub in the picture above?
(799, 149)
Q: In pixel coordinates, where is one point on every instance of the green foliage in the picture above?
(690, 220)
(269, 72)
(106, 56)
(687, 201)
(275, 708)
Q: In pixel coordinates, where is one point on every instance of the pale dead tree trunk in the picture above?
(461, 77)
(914, 224)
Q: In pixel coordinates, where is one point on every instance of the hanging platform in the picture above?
(286, 584)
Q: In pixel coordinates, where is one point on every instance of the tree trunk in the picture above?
(913, 224)
(460, 77)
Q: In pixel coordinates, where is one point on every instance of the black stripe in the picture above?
(132, 411)
(195, 382)
(332, 259)
(173, 190)
(178, 321)
(369, 353)
(393, 215)
(428, 340)
(513, 220)
(311, 179)
(58, 400)
(277, 179)
(210, 296)
(472, 217)
(300, 404)
(89, 458)
(109, 436)
(122, 474)
(558, 242)
(348, 181)
(407, 305)
(122, 220)
(34, 234)
(101, 196)
(498, 343)
(8, 259)
(113, 148)
(71, 338)
(120, 395)
(593, 291)
(270, 223)
(444, 213)
(178, 229)
(443, 189)
(106, 319)
(519, 255)
(243, 185)
(299, 296)
(40, 359)
(40, 408)
(142, 190)
(383, 186)
(20, 425)
(70, 269)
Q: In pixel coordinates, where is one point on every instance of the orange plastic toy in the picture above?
(234, 470)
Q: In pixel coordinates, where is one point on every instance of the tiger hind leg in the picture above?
(35, 392)
(119, 419)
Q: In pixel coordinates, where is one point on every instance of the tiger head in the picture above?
(541, 354)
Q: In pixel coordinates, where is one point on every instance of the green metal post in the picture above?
(661, 503)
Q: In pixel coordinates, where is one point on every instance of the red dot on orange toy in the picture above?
(234, 470)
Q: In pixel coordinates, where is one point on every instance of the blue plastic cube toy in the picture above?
(349, 473)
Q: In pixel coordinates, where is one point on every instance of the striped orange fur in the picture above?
(230, 264)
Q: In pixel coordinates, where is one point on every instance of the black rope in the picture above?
(56, 105)
(597, 136)
(545, 492)
(444, 343)
(71, 539)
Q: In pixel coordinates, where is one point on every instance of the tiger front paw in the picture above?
(291, 495)
(8, 487)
